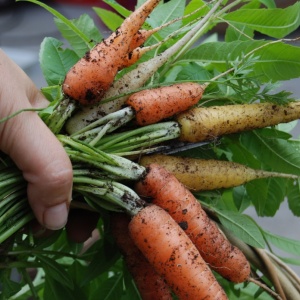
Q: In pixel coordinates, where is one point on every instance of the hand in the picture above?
(33, 147)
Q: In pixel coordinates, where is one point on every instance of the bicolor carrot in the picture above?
(167, 192)
(150, 284)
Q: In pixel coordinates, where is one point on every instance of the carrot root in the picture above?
(154, 105)
(207, 123)
(173, 255)
(150, 284)
(167, 192)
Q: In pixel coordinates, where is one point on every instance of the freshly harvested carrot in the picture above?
(136, 78)
(151, 286)
(208, 174)
(207, 123)
(92, 75)
(154, 105)
(173, 255)
(167, 192)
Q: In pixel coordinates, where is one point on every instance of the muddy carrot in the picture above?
(136, 78)
(207, 123)
(167, 192)
(92, 75)
(151, 286)
(173, 255)
(209, 174)
(153, 105)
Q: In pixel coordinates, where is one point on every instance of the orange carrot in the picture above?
(92, 75)
(156, 104)
(168, 193)
(136, 78)
(173, 255)
(151, 286)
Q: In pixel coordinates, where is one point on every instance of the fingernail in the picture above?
(56, 217)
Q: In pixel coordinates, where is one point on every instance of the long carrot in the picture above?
(209, 174)
(156, 104)
(167, 192)
(173, 255)
(151, 286)
(207, 123)
(92, 75)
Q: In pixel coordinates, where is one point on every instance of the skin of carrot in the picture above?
(207, 123)
(203, 174)
(89, 79)
(173, 255)
(150, 284)
(167, 192)
(156, 104)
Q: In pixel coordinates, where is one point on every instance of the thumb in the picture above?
(33, 147)
(45, 166)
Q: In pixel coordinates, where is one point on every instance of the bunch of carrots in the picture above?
(168, 241)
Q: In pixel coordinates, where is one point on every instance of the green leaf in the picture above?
(241, 198)
(289, 245)
(293, 196)
(167, 12)
(110, 289)
(268, 3)
(8, 286)
(274, 22)
(87, 26)
(105, 257)
(243, 227)
(109, 18)
(238, 33)
(56, 271)
(266, 195)
(67, 22)
(55, 62)
(278, 154)
(191, 7)
(118, 8)
(53, 289)
(275, 61)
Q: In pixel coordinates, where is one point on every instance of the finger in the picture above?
(35, 150)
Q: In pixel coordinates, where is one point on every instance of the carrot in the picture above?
(167, 192)
(157, 104)
(151, 286)
(93, 74)
(207, 123)
(208, 174)
(136, 78)
(173, 255)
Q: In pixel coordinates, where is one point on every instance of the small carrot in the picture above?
(167, 192)
(207, 123)
(208, 174)
(156, 104)
(92, 75)
(173, 255)
(151, 286)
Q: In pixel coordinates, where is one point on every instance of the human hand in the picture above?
(33, 147)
